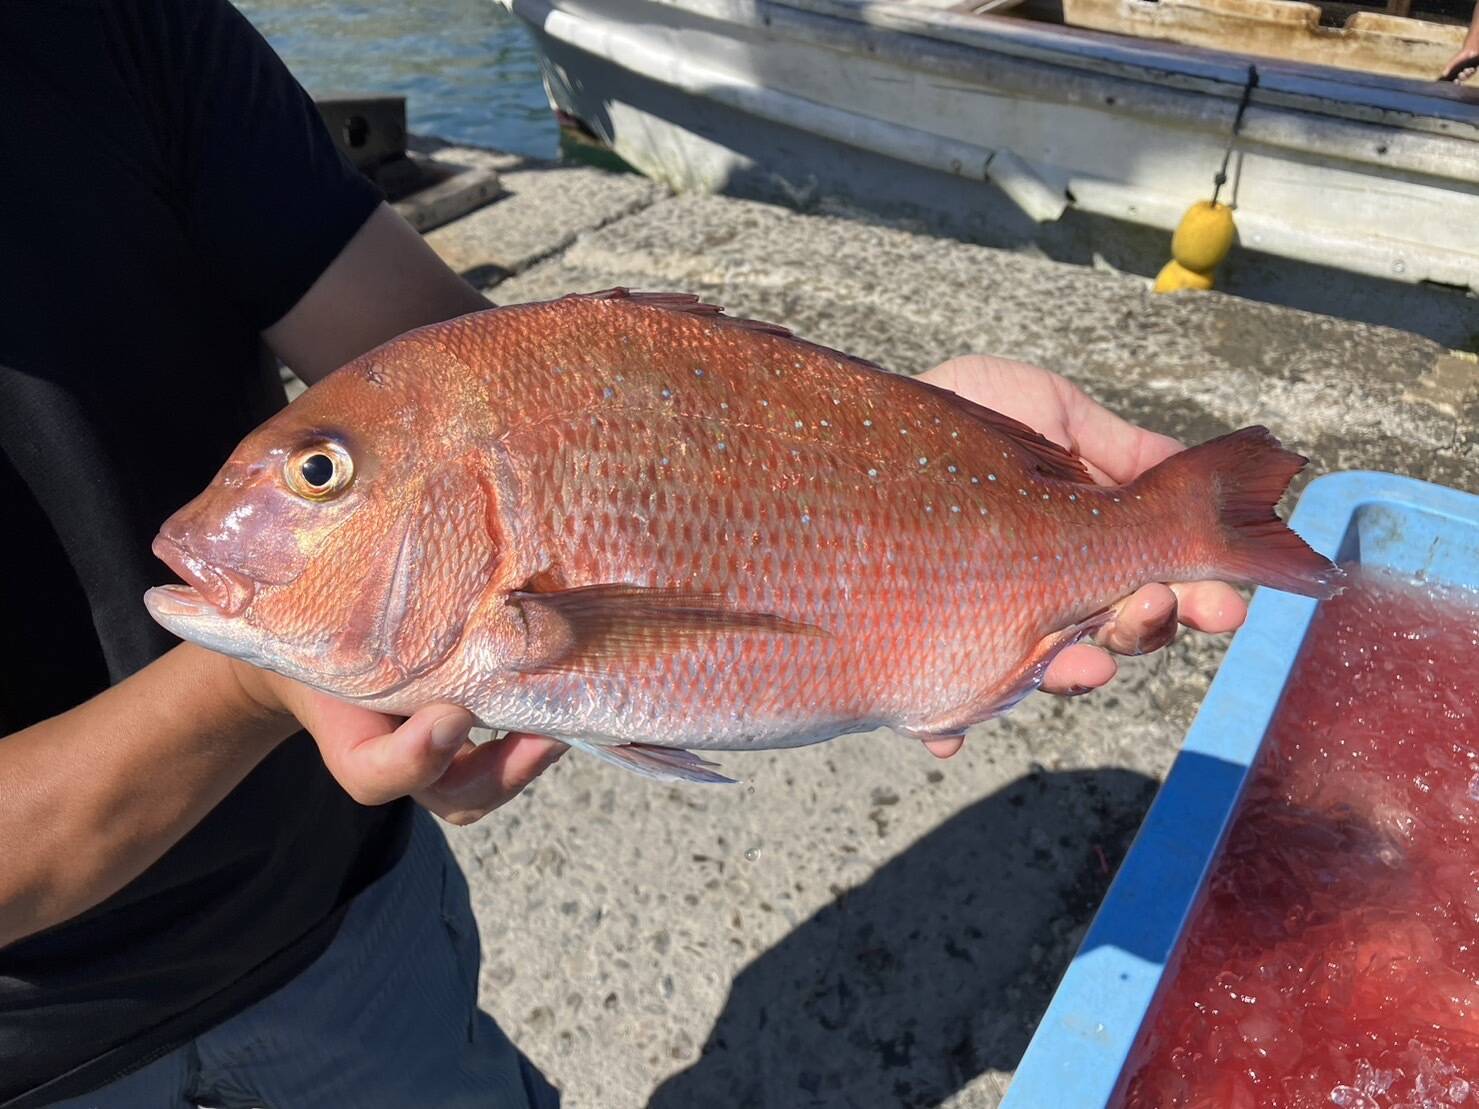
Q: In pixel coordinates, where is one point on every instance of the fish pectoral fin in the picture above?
(662, 764)
(1017, 685)
(607, 628)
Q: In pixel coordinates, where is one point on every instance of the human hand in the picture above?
(1115, 452)
(1465, 63)
(377, 757)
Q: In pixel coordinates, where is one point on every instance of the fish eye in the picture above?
(319, 471)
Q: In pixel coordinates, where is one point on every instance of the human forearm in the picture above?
(92, 797)
(384, 282)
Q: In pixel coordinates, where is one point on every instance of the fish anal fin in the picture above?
(915, 733)
(1011, 690)
(662, 764)
(606, 628)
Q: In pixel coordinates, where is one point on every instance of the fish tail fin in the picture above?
(1247, 473)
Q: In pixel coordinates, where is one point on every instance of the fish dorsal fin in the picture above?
(690, 305)
(612, 628)
(1050, 459)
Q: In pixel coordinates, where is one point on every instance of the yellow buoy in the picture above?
(1204, 236)
(1200, 242)
(1174, 277)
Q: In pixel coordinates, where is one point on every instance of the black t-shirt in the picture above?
(167, 190)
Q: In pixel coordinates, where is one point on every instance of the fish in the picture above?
(646, 528)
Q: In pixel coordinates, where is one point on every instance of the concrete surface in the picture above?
(546, 207)
(859, 924)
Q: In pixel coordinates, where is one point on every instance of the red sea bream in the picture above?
(642, 527)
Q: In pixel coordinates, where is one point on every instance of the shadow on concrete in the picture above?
(936, 969)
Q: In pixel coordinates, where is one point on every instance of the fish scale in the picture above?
(681, 530)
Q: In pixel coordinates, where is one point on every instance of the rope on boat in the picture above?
(1221, 178)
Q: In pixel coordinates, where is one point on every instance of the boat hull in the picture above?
(1355, 195)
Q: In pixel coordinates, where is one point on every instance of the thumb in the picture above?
(377, 759)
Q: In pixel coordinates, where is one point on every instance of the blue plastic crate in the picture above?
(1076, 1058)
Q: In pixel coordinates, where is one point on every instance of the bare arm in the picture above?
(90, 798)
(384, 282)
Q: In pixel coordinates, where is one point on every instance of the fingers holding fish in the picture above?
(1112, 448)
(1143, 622)
(1210, 606)
(944, 747)
(1079, 669)
(1115, 450)
(485, 776)
(376, 758)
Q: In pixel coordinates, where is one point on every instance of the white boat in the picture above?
(1356, 193)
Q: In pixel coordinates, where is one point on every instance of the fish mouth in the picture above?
(226, 592)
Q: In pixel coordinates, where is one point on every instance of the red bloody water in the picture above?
(1335, 958)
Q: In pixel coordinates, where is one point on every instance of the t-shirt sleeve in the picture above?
(266, 195)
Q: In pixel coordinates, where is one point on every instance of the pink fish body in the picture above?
(636, 525)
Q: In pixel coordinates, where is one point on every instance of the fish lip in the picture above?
(226, 591)
(177, 600)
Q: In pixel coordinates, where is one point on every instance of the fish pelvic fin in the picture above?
(614, 628)
(1246, 473)
(661, 764)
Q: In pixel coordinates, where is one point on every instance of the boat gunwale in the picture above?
(1444, 109)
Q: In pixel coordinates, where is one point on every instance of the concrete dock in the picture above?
(859, 924)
